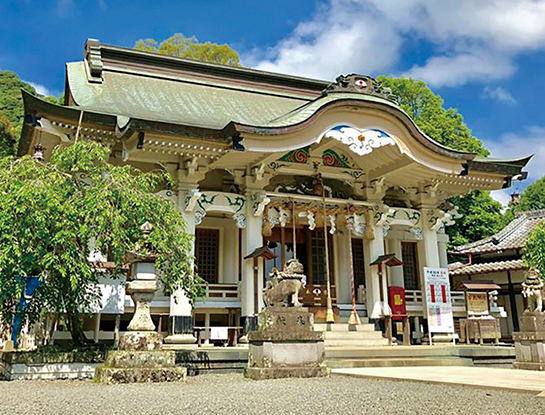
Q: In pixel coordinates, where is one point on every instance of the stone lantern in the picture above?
(141, 334)
(140, 358)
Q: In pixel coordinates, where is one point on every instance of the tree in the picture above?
(533, 197)
(189, 47)
(481, 215)
(534, 250)
(51, 213)
(481, 218)
(7, 140)
(446, 126)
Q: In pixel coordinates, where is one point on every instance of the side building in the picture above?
(499, 259)
(266, 159)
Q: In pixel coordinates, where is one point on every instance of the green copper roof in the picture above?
(205, 104)
(307, 110)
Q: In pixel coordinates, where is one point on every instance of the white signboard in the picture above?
(438, 300)
(112, 296)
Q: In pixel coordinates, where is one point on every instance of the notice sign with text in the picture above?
(438, 301)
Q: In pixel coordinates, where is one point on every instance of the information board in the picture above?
(438, 301)
(477, 303)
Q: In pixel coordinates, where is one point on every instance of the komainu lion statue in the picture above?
(532, 289)
(285, 285)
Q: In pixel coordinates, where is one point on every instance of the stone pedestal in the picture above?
(140, 367)
(530, 341)
(285, 345)
(138, 341)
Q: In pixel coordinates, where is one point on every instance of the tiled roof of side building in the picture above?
(513, 236)
(485, 268)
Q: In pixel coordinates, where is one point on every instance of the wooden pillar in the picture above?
(513, 302)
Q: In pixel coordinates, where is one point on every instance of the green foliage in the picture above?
(534, 250)
(11, 106)
(7, 140)
(481, 218)
(426, 109)
(11, 101)
(189, 47)
(52, 211)
(533, 197)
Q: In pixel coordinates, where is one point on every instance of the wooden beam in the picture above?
(390, 169)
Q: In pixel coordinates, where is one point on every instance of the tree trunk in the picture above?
(75, 325)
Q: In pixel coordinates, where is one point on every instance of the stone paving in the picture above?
(481, 377)
(232, 394)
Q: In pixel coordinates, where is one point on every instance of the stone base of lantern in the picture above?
(140, 341)
(140, 367)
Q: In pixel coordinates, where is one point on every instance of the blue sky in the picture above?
(484, 57)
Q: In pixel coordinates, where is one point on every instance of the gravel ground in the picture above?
(232, 394)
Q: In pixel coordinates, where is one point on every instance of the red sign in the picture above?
(398, 305)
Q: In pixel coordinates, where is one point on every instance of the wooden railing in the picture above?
(415, 303)
(222, 292)
(214, 293)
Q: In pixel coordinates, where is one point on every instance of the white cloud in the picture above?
(499, 94)
(530, 140)
(339, 38)
(40, 89)
(461, 68)
(474, 40)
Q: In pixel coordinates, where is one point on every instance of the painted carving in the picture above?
(301, 156)
(199, 215)
(193, 196)
(237, 202)
(285, 285)
(360, 84)
(205, 201)
(356, 174)
(260, 202)
(240, 220)
(275, 165)
(532, 289)
(361, 142)
(417, 231)
(385, 229)
(330, 158)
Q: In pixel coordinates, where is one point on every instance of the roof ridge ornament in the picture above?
(360, 84)
(93, 59)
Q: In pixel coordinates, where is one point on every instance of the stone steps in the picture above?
(344, 327)
(355, 343)
(398, 362)
(391, 352)
(352, 335)
(349, 336)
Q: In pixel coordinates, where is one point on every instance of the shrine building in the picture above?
(335, 174)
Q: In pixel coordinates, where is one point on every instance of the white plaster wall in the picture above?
(228, 249)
